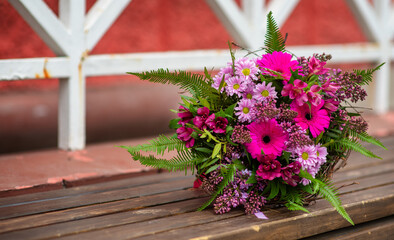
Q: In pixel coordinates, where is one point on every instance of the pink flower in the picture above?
(264, 91)
(185, 115)
(246, 68)
(267, 136)
(330, 88)
(243, 110)
(225, 73)
(269, 167)
(296, 91)
(279, 62)
(202, 115)
(313, 117)
(317, 67)
(313, 95)
(218, 125)
(321, 153)
(331, 105)
(289, 172)
(184, 134)
(236, 85)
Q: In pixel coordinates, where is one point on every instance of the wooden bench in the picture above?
(162, 206)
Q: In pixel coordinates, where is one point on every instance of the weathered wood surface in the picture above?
(163, 206)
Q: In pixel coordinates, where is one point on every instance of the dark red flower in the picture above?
(185, 115)
(218, 125)
(269, 167)
(289, 172)
(202, 116)
(184, 134)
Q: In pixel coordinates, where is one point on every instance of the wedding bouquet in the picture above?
(264, 131)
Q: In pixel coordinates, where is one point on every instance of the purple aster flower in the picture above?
(321, 153)
(243, 110)
(225, 72)
(247, 68)
(249, 91)
(235, 85)
(307, 156)
(262, 92)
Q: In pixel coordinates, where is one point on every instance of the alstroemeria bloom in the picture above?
(202, 115)
(269, 167)
(184, 134)
(317, 67)
(185, 115)
(296, 91)
(313, 95)
(217, 124)
(289, 173)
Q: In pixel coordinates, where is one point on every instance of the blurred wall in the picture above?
(121, 107)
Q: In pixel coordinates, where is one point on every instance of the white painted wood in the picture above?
(71, 130)
(98, 21)
(34, 68)
(235, 22)
(281, 10)
(45, 24)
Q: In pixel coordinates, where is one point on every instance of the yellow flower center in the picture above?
(236, 86)
(245, 110)
(305, 155)
(317, 153)
(265, 93)
(249, 96)
(246, 71)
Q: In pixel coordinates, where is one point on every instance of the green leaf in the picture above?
(295, 207)
(174, 123)
(213, 168)
(367, 74)
(274, 190)
(204, 150)
(230, 110)
(352, 144)
(216, 150)
(252, 179)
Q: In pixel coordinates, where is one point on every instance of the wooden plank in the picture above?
(363, 172)
(92, 188)
(94, 198)
(362, 206)
(378, 229)
(365, 183)
(106, 221)
(98, 210)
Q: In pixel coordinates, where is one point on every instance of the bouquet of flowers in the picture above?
(264, 131)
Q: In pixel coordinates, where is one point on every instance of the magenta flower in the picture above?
(269, 167)
(317, 67)
(279, 62)
(185, 115)
(184, 134)
(330, 88)
(331, 105)
(289, 173)
(267, 136)
(218, 125)
(202, 115)
(313, 117)
(296, 91)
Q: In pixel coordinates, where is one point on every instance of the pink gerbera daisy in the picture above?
(247, 68)
(235, 85)
(279, 62)
(243, 110)
(312, 117)
(267, 136)
(263, 92)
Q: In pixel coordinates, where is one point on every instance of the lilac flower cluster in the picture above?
(350, 86)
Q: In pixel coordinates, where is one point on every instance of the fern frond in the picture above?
(194, 83)
(229, 177)
(356, 146)
(274, 40)
(328, 191)
(159, 145)
(365, 137)
(180, 162)
(367, 74)
(295, 207)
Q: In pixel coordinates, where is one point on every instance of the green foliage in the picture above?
(367, 74)
(194, 83)
(159, 145)
(327, 191)
(365, 137)
(227, 178)
(274, 40)
(352, 144)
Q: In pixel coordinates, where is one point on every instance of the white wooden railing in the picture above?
(73, 35)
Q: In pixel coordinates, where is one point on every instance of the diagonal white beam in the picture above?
(45, 24)
(367, 17)
(100, 17)
(281, 9)
(234, 21)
